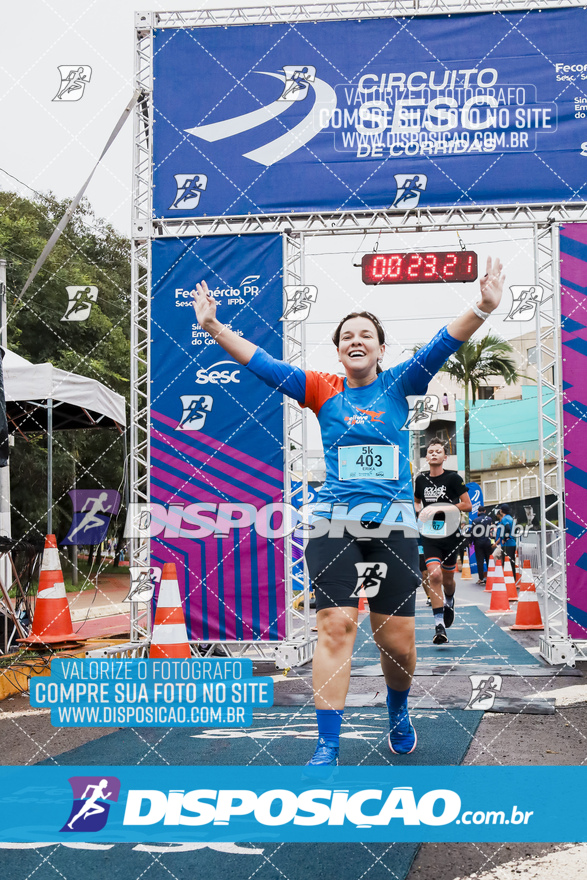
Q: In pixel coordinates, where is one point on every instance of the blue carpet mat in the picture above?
(285, 736)
(473, 639)
(259, 861)
(278, 735)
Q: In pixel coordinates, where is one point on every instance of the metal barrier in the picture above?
(530, 547)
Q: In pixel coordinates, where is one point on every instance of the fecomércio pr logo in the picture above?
(92, 798)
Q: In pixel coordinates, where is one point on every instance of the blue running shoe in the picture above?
(402, 737)
(324, 755)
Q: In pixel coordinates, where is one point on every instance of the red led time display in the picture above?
(425, 267)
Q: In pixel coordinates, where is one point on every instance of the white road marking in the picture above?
(7, 715)
(568, 863)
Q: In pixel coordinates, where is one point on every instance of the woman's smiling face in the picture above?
(359, 348)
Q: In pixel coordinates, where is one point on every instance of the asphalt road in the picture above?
(513, 737)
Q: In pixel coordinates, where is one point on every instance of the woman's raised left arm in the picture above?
(464, 326)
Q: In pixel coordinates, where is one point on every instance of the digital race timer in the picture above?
(425, 267)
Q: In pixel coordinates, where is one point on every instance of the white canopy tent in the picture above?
(41, 398)
(85, 402)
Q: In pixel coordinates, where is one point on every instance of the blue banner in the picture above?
(476, 496)
(328, 804)
(384, 113)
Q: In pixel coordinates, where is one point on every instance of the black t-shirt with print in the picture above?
(445, 489)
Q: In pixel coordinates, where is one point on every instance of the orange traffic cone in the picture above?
(466, 570)
(169, 638)
(52, 619)
(363, 603)
(528, 612)
(490, 577)
(527, 580)
(499, 595)
(498, 574)
(510, 583)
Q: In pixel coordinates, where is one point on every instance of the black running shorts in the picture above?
(386, 568)
(444, 550)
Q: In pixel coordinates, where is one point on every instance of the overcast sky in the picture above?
(52, 145)
(48, 145)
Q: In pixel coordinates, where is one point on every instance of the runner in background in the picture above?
(368, 489)
(441, 487)
(505, 536)
(480, 533)
(424, 572)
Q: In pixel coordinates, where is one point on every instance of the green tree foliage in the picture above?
(472, 365)
(90, 251)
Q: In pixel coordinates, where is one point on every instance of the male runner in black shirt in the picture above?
(441, 487)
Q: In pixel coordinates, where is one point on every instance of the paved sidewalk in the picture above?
(101, 612)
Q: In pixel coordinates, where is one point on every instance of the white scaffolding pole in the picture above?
(140, 613)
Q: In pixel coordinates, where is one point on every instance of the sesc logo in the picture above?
(297, 82)
(214, 375)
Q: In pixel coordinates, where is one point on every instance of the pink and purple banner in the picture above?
(573, 265)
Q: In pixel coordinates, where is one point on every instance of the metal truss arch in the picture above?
(367, 9)
(543, 219)
(344, 222)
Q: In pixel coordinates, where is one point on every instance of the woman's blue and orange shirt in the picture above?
(373, 414)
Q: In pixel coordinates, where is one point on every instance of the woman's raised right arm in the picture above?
(205, 307)
(277, 374)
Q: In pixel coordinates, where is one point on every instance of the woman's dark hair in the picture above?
(375, 321)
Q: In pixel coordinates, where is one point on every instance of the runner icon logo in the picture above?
(295, 87)
(370, 576)
(525, 300)
(484, 689)
(74, 78)
(90, 807)
(409, 189)
(80, 302)
(298, 302)
(195, 409)
(92, 511)
(189, 189)
(420, 414)
(143, 582)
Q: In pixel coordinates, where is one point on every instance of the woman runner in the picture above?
(366, 500)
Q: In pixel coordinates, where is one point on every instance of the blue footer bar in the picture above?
(325, 804)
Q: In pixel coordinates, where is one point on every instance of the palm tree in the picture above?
(471, 366)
